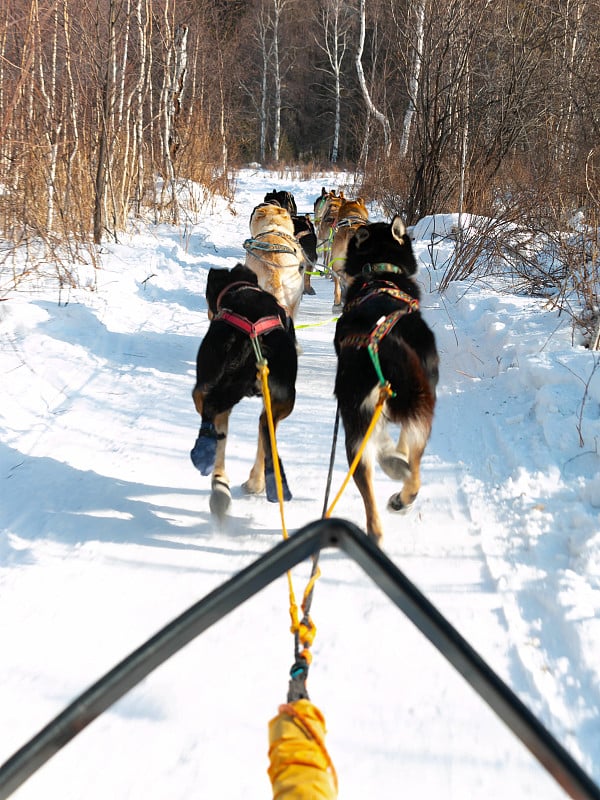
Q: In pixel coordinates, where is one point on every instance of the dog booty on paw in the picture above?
(271, 485)
(220, 498)
(204, 451)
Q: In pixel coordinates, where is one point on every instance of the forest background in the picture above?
(437, 106)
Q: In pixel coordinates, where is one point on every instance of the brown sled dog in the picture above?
(241, 311)
(382, 338)
(350, 216)
(275, 255)
(326, 208)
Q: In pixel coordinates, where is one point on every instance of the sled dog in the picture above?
(385, 349)
(350, 216)
(275, 255)
(304, 231)
(243, 317)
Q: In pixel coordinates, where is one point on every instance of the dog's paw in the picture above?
(309, 290)
(220, 498)
(204, 451)
(376, 538)
(337, 308)
(396, 504)
(395, 465)
(203, 454)
(271, 485)
(252, 486)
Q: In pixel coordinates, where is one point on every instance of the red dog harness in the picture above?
(252, 329)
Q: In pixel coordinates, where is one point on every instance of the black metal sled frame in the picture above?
(307, 541)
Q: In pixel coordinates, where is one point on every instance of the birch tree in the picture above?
(170, 106)
(278, 6)
(105, 113)
(333, 19)
(415, 75)
(371, 108)
(262, 37)
(72, 105)
(573, 15)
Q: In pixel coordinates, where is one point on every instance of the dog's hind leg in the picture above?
(392, 458)
(270, 479)
(256, 480)
(363, 478)
(262, 474)
(413, 439)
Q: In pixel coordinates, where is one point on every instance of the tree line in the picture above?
(436, 105)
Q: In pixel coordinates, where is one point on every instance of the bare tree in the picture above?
(371, 108)
(105, 119)
(333, 19)
(262, 36)
(278, 9)
(175, 65)
(415, 75)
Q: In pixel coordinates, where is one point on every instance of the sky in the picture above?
(106, 534)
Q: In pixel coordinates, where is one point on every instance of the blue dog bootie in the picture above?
(271, 485)
(204, 451)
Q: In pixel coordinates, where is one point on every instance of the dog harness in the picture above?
(350, 221)
(389, 288)
(255, 246)
(353, 221)
(383, 325)
(252, 329)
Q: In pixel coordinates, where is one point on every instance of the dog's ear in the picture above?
(216, 281)
(243, 273)
(361, 235)
(398, 229)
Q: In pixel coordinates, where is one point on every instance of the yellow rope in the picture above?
(306, 630)
(300, 764)
(385, 391)
(263, 372)
(316, 324)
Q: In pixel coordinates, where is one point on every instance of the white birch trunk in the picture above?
(571, 41)
(262, 35)
(171, 99)
(73, 109)
(333, 45)
(415, 76)
(379, 116)
(142, 17)
(48, 96)
(277, 6)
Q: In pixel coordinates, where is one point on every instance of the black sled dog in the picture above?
(382, 337)
(244, 319)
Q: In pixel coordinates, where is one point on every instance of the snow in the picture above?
(106, 535)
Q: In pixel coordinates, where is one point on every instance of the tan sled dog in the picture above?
(275, 255)
(352, 215)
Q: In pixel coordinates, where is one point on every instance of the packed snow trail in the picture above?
(107, 536)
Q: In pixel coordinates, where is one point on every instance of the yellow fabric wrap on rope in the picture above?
(300, 766)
